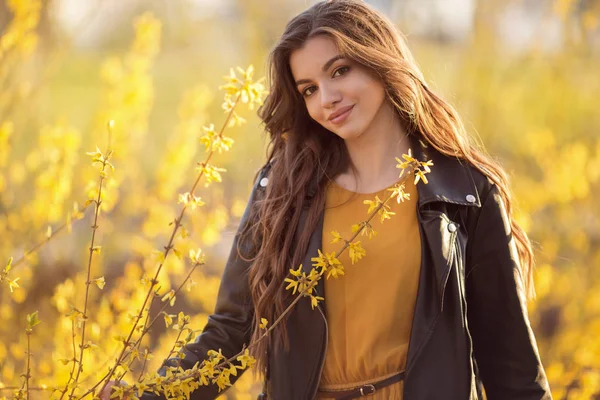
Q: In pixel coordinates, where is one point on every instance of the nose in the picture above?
(329, 96)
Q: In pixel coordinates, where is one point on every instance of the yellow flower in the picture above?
(246, 360)
(401, 164)
(420, 175)
(170, 296)
(158, 255)
(245, 89)
(367, 230)
(12, 284)
(204, 375)
(97, 156)
(399, 193)
(210, 172)
(197, 256)
(232, 370)
(356, 251)
(293, 283)
(314, 301)
(426, 165)
(222, 380)
(332, 260)
(385, 213)
(263, 323)
(182, 321)
(168, 319)
(296, 272)
(335, 271)
(218, 142)
(373, 204)
(236, 120)
(311, 281)
(224, 143)
(76, 316)
(189, 199)
(209, 136)
(141, 387)
(408, 159)
(214, 355)
(320, 261)
(336, 237)
(99, 282)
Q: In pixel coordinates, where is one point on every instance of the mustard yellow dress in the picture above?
(370, 308)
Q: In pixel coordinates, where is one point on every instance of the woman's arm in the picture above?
(504, 345)
(229, 327)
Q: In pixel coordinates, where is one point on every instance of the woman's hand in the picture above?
(105, 395)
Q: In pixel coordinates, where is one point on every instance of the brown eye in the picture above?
(344, 69)
(304, 92)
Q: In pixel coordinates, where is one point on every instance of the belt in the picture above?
(363, 390)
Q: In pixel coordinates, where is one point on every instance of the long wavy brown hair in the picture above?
(302, 152)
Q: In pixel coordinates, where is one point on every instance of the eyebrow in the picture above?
(324, 69)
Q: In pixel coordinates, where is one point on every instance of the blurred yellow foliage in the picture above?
(537, 112)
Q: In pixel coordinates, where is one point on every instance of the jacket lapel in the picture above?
(450, 179)
(449, 182)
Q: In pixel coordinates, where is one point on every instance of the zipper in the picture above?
(314, 395)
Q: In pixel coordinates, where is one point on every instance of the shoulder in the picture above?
(481, 180)
(454, 179)
(262, 177)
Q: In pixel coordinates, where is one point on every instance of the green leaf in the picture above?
(32, 320)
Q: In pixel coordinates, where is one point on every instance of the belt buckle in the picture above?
(371, 387)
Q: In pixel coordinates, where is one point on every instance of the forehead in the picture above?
(308, 60)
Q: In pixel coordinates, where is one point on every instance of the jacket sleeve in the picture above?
(504, 345)
(229, 327)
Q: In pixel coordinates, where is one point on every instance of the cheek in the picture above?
(373, 90)
(373, 97)
(314, 111)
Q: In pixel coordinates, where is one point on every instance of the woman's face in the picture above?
(331, 84)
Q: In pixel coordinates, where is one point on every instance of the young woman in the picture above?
(437, 308)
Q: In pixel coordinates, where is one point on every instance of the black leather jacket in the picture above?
(470, 324)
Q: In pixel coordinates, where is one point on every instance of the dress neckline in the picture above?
(339, 187)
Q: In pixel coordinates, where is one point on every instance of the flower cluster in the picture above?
(215, 369)
(304, 284)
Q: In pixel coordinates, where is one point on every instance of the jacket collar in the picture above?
(450, 179)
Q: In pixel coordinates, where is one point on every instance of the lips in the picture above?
(340, 112)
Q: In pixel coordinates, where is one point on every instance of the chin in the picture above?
(347, 133)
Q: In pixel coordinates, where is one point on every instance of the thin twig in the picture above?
(167, 248)
(20, 388)
(98, 203)
(27, 374)
(38, 245)
(301, 294)
(74, 360)
(147, 328)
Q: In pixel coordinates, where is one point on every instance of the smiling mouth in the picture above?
(341, 117)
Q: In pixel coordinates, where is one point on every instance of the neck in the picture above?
(373, 153)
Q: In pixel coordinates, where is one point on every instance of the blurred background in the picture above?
(524, 74)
